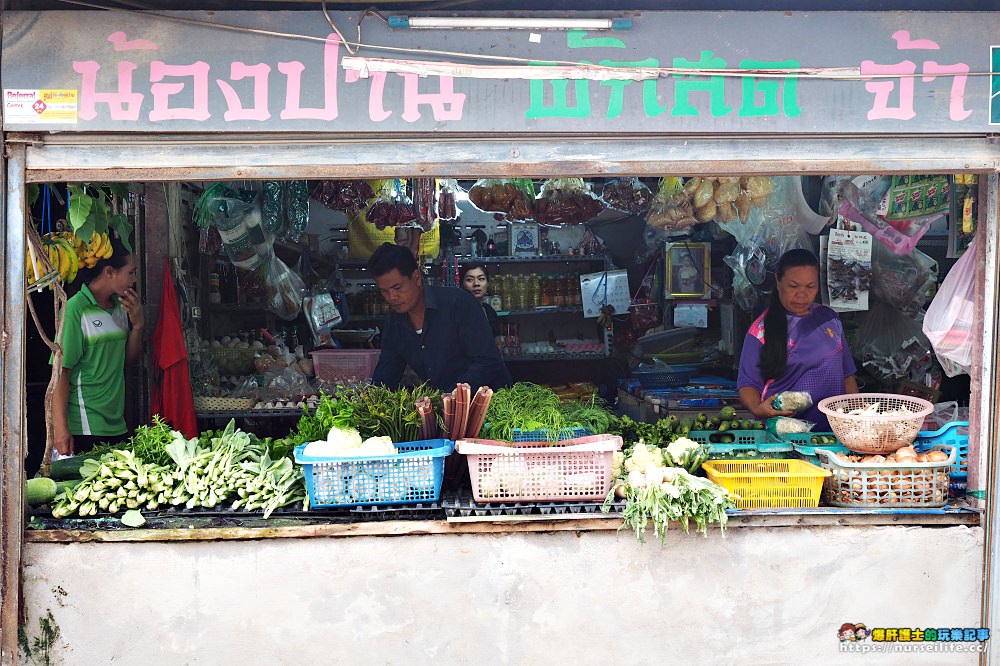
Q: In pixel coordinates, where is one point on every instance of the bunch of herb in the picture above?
(381, 411)
(590, 414)
(149, 442)
(523, 407)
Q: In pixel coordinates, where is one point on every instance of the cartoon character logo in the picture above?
(861, 632)
(846, 632)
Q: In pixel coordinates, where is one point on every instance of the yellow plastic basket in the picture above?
(769, 484)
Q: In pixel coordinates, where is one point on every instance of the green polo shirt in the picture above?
(94, 341)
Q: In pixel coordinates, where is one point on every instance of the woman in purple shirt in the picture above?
(796, 345)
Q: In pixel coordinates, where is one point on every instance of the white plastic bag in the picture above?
(948, 322)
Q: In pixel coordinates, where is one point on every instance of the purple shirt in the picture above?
(818, 360)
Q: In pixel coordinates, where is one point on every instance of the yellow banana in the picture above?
(63, 260)
(106, 249)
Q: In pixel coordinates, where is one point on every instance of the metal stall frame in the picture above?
(37, 158)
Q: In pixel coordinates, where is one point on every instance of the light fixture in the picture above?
(500, 23)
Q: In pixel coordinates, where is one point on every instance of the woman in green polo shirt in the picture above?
(89, 403)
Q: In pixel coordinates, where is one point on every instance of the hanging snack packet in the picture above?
(629, 195)
(513, 197)
(296, 204)
(343, 195)
(566, 201)
(672, 209)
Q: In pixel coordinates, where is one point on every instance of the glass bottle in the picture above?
(491, 247)
(535, 290)
(545, 297)
(577, 294)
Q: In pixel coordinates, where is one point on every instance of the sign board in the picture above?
(719, 73)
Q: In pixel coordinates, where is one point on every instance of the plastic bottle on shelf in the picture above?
(577, 294)
(535, 290)
(497, 287)
(522, 298)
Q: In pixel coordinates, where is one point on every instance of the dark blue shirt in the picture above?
(456, 345)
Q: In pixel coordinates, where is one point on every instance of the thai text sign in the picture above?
(730, 72)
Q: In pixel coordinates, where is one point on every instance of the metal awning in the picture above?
(65, 157)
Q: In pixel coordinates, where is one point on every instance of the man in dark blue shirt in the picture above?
(441, 333)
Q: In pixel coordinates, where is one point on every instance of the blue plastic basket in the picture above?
(954, 434)
(679, 376)
(544, 435)
(412, 476)
(741, 437)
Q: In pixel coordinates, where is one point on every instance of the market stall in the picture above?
(635, 268)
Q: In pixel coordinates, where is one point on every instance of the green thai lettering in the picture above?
(772, 90)
(577, 39)
(560, 106)
(616, 102)
(687, 84)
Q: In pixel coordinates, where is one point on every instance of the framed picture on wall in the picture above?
(689, 270)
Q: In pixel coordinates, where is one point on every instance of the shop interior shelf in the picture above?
(557, 356)
(541, 311)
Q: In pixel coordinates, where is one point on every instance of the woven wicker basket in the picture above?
(206, 404)
(875, 433)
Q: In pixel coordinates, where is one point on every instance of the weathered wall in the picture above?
(758, 596)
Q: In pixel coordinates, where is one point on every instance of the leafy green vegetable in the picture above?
(530, 407)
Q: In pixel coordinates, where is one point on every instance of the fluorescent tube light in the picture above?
(498, 23)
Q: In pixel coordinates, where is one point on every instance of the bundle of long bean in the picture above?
(464, 414)
(428, 422)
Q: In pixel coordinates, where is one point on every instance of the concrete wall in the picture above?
(761, 595)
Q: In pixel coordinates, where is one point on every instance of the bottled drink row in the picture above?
(530, 291)
(510, 293)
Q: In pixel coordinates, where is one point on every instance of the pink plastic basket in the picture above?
(878, 432)
(575, 470)
(344, 365)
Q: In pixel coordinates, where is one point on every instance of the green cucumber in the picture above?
(66, 469)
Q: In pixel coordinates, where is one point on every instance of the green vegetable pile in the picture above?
(206, 472)
(527, 407)
(683, 499)
(666, 430)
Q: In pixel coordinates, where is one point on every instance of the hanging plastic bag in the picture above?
(239, 224)
(392, 208)
(513, 197)
(629, 195)
(891, 345)
(566, 201)
(762, 242)
(904, 281)
(447, 195)
(866, 208)
(283, 289)
(948, 323)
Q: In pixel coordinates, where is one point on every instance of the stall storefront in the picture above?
(174, 103)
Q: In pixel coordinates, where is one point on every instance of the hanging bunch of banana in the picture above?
(62, 253)
(99, 247)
